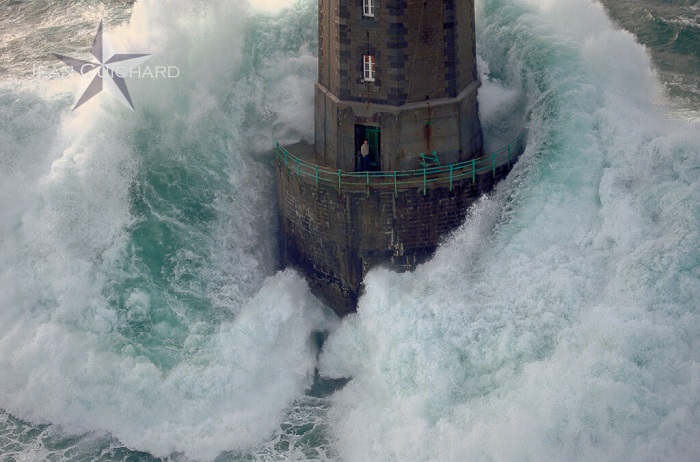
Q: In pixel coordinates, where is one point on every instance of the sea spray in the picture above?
(139, 270)
(559, 322)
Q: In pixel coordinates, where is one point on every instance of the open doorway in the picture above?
(371, 134)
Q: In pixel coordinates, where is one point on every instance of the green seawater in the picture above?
(144, 315)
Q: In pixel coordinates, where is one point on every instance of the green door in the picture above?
(372, 135)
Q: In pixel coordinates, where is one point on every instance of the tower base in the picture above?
(335, 231)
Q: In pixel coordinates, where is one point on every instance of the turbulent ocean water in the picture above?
(144, 316)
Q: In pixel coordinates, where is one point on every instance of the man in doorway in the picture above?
(364, 152)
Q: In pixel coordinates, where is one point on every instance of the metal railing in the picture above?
(403, 179)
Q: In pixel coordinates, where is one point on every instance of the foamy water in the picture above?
(560, 322)
(143, 312)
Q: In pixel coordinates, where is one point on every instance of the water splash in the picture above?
(559, 322)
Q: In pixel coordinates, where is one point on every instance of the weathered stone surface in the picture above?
(422, 100)
(335, 236)
(453, 123)
(424, 49)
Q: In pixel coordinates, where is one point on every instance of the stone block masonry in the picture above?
(336, 235)
(399, 75)
(424, 50)
(422, 97)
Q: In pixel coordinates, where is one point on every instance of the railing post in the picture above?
(396, 191)
(450, 177)
(367, 176)
(512, 151)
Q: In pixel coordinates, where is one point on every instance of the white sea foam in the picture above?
(209, 358)
(561, 321)
(270, 6)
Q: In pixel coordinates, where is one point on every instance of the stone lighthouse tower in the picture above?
(400, 76)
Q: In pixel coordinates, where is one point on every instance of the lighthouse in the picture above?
(400, 74)
(400, 77)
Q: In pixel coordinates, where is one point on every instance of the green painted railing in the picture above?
(404, 179)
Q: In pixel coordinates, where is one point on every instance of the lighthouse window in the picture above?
(368, 8)
(369, 68)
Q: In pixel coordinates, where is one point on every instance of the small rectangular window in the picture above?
(368, 8)
(368, 68)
